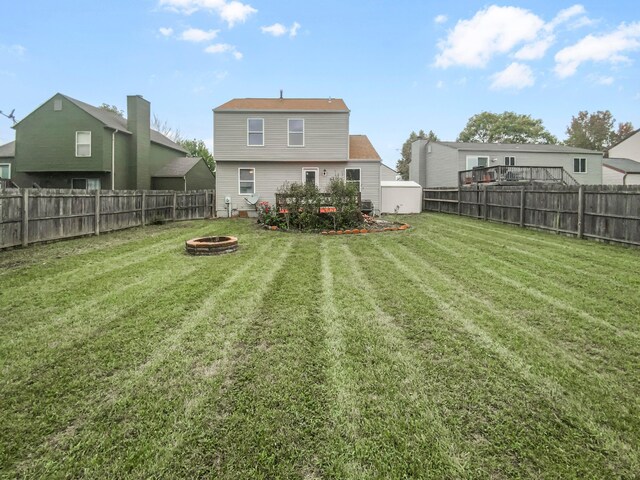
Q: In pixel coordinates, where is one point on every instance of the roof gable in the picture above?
(283, 105)
(360, 148)
(178, 167)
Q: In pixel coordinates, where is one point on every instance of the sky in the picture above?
(400, 65)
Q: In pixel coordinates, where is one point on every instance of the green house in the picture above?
(66, 143)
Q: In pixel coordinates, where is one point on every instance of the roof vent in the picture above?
(330, 99)
(280, 94)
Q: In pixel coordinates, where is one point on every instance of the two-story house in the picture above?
(437, 164)
(261, 143)
(66, 143)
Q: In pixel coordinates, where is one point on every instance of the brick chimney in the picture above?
(138, 123)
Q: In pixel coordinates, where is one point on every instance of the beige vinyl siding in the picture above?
(629, 148)
(417, 165)
(442, 166)
(387, 173)
(593, 175)
(326, 137)
(270, 176)
(611, 176)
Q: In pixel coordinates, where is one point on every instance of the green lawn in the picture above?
(457, 349)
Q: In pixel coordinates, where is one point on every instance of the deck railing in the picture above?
(505, 175)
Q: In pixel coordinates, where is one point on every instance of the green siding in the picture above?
(46, 140)
(168, 183)
(200, 177)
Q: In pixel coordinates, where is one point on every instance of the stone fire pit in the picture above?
(211, 245)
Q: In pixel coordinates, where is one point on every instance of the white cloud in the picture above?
(605, 80)
(604, 48)
(535, 50)
(13, 50)
(278, 29)
(440, 84)
(566, 14)
(232, 12)
(166, 31)
(224, 48)
(494, 30)
(516, 76)
(197, 35)
(441, 19)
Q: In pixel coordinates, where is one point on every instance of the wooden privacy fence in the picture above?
(37, 215)
(602, 212)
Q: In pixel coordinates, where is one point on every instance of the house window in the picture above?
(352, 175)
(579, 165)
(5, 171)
(510, 161)
(85, 183)
(57, 105)
(474, 161)
(310, 175)
(83, 144)
(255, 132)
(246, 181)
(296, 132)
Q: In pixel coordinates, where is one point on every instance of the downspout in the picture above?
(185, 182)
(624, 178)
(113, 159)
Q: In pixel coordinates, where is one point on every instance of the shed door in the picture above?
(310, 175)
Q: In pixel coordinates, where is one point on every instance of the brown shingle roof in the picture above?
(284, 104)
(360, 148)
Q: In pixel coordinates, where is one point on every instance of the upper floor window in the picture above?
(579, 165)
(510, 161)
(296, 132)
(83, 144)
(352, 175)
(255, 132)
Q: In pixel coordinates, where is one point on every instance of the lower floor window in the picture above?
(85, 183)
(352, 175)
(5, 171)
(579, 165)
(510, 161)
(246, 181)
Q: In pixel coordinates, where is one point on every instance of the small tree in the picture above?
(506, 127)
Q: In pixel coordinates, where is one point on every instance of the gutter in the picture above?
(113, 159)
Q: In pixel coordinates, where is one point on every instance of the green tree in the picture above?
(507, 127)
(596, 131)
(402, 166)
(112, 109)
(197, 148)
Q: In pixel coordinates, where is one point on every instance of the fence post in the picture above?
(174, 211)
(439, 201)
(459, 198)
(581, 211)
(523, 196)
(25, 217)
(205, 214)
(97, 210)
(143, 208)
(484, 206)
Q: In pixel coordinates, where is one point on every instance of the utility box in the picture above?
(400, 197)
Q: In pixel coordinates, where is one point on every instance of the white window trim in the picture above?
(254, 181)
(351, 181)
(585, 165)
(510, 156)
(289, 133)
(86, 179)
(249, 131)
(6, 165)
(90, 142)
(315, 169)
(476, 157)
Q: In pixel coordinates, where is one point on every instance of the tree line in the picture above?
(594, 131)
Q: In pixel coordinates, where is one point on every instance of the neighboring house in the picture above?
(261, 143)
(627, 148)
(66, 143)
(7, 152)
(620, 171)
(388, 174)
(436, 164)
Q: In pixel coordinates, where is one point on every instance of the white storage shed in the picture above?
(406, 196)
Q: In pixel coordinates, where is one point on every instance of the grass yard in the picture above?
(457, 349)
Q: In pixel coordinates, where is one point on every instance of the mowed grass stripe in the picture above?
(271, 421)
(601, 439)
(92, 372)
(186, 369)
(548, 292)
(390, 428)
(570, 371)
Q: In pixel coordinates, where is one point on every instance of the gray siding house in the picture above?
(261, 143)
(627, 148)
(436, 164)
